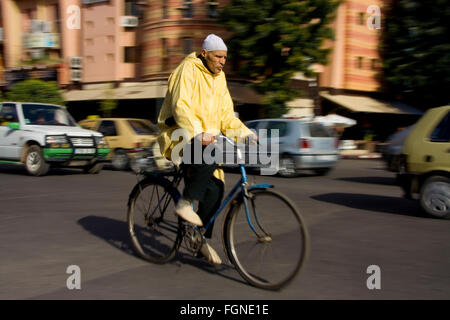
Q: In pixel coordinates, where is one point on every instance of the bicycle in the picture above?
(258, 219)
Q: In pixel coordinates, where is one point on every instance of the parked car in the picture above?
(393, 148)
(44, 135)
(125, 137)
(425, 166)
(303, 145)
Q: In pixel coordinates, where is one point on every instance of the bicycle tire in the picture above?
(154, 229)
(286, 237)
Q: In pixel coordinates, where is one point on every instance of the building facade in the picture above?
(125, 50)
(354, 62)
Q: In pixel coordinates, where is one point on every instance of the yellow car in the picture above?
(125, 137)
(425, 164)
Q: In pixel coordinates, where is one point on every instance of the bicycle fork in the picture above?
(262, 238)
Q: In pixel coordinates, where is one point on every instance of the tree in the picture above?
(274, 39)
(34, 90)
(416, 52)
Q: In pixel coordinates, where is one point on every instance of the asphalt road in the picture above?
(356, 218)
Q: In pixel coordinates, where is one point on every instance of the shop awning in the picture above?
(149, 90)
(300, 107)
(370, 105)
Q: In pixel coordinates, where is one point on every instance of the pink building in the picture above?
(79, 41)
(354, 62)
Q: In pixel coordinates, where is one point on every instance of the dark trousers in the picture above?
(201, 185)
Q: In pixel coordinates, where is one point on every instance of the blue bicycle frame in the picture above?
(242, 184)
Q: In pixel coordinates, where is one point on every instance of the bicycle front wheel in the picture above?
(271, 255)
(153, 226)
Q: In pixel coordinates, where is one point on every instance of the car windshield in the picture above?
(318, 130)
(142, 127)
(47, 115)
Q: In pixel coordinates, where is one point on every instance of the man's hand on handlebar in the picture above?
(251, 139)
(206, 138)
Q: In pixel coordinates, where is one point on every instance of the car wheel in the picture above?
(93, 168)
(287, 167)
(435, 197)
(120, 160)
(35, 162)
(322, 171)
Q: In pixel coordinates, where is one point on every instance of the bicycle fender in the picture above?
(260, 186)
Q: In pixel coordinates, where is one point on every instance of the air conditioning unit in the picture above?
(129, 21)
(75, 75)
(76, 62)
(36, 26)
(47, 26)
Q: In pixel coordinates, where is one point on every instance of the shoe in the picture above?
(210, 254)
(185, 211)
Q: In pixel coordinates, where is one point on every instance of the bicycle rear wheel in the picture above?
(153, 226)
(273, 255)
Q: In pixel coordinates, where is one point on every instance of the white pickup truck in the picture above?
(42, 135)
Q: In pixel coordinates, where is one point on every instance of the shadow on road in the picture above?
(115, 233)
(20, 170)
(387, 181)
(394, 205)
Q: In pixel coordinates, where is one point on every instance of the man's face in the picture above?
(215, 59)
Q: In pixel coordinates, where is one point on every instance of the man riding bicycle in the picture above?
(199, 102)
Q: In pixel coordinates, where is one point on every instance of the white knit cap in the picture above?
(214, 43)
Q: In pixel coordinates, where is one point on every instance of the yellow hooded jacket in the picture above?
(198, 101)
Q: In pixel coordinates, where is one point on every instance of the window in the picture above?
(165, 10)
(282, 128)
(164, 55)
(188, 9)
(130, 54)
(317, 130)
(8, 113)
(108, 128)
(141, 127)
(131, 8)
(188, 45)
(164, 48)
(41, 114)
(359, 62)
(361, 17)
(212, 9)
(375, 63)
(252, 125)
(442, 132)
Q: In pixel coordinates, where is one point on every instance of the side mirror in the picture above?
(14, 125)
